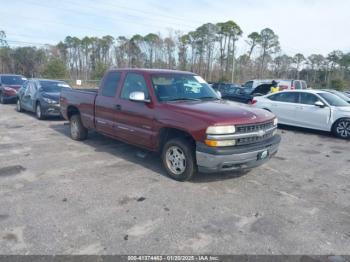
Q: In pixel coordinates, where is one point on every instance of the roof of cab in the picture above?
(153, 71)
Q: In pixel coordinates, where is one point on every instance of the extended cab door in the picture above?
(135, 119)
(105, 104)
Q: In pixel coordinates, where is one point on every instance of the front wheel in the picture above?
(341, 128)
(39, 112)
(18, 106)
(179, 160)
(77, 130)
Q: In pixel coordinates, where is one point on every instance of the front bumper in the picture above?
(211, 159)
(10, 98)
(51, 109)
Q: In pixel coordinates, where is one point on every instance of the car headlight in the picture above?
(220, 130)
(50, 101)
(275, 121)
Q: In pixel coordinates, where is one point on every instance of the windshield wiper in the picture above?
(184, 99)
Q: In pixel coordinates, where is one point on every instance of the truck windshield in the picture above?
(174, 87)
(52, 86)
(12, 80)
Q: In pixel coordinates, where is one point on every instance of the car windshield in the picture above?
(12, 80)
(248, 84)
(173, 87)
(341, 95)
(333, 100)
(52, 86)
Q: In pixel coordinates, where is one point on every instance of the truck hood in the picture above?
(220, 112)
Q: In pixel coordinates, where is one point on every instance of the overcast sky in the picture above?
(306, 26)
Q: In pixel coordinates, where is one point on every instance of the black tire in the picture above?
(18, 106)
(77, 130)
(185, 156)
(38, 112)
(2, 99)
(341, 128)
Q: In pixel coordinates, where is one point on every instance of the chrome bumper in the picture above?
(241, 159)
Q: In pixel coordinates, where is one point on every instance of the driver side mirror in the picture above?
(218, 93)
(138, 96)
(320, 104)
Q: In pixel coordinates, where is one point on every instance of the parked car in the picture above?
(315, 109)
(175, 113)
(40, 96)
(9, 85)
(283, 84)
(246, 94)
(339, 94)
(225, 89)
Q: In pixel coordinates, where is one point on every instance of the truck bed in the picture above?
(82, 99)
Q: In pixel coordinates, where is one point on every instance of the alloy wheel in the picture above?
(38, 111)
(176, 160)
(74, 128)
(18, 105)
(343, 129)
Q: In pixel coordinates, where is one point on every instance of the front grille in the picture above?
(253, 128)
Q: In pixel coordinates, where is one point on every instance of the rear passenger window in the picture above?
(110, 84)
(308, 99)
(288, 97)
(134, 83)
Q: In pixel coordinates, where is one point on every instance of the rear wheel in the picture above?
(77, 130)
(341, 128)
(39, 112)
(18, 106)
(179, 160)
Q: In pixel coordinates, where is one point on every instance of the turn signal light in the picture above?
(215, 143)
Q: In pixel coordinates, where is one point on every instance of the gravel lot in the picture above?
(101, 196)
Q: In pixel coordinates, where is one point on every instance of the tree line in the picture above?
(211, 51)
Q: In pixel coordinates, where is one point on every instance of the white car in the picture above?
(313, 109)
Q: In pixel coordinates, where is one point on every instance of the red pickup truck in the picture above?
(176, 113)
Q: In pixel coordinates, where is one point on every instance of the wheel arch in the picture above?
(72, 110)
(167, 133)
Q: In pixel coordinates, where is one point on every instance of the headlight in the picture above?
(50, 101)
(220, 130)
(275, 121)
(215, 143)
